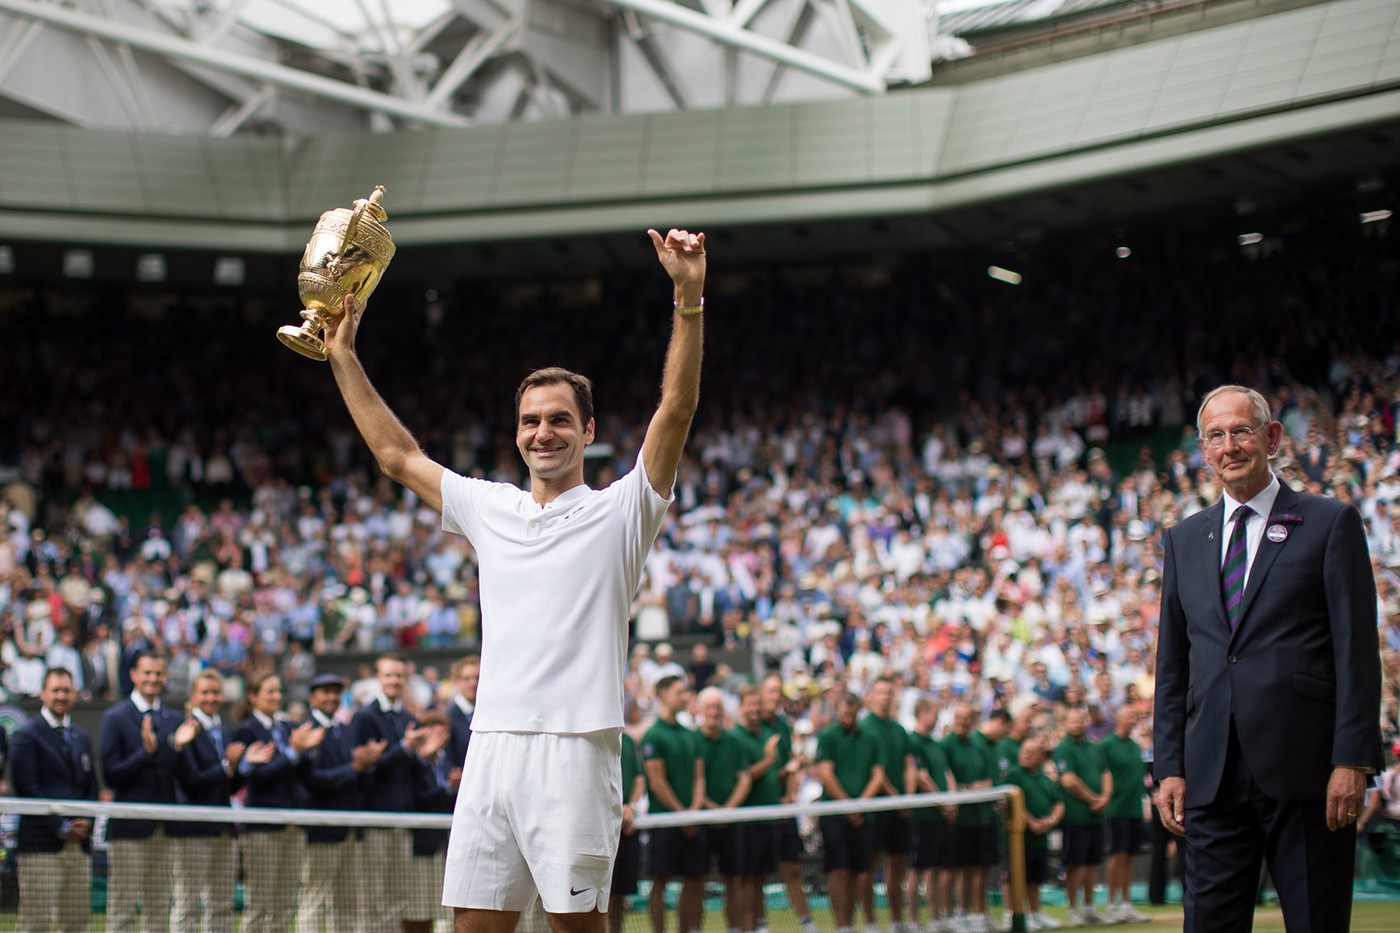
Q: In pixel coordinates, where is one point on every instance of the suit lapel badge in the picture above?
(1278, 529)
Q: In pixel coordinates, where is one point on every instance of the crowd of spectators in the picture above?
(900, 469)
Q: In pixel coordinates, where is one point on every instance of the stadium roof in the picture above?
(311, 67)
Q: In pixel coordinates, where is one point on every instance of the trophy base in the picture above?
(308, 345)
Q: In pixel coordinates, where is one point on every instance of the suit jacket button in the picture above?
(1233, 659)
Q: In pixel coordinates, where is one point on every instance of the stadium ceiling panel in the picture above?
(307, 67)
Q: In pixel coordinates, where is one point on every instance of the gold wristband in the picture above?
(691, 309)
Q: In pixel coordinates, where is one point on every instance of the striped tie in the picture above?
(1236, 563)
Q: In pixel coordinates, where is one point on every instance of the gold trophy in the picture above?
(347, 253)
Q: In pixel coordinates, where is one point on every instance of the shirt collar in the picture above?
(1261, 504)
(141, 705)
(384, 703)
(53, 720)
(322, 720)
(464, 704)
(566, 498)
(266, 720)
(206, 722)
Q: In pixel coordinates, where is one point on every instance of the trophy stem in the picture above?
(304, 339)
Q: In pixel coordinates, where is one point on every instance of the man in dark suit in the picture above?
(330, 894)
(52, 758)
(389, 786)
(139, 765)
(466, 674)
(1268, 684)
(208, 776)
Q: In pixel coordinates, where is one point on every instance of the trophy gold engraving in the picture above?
(347, 253)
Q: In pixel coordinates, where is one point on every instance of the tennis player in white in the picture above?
(540, 802)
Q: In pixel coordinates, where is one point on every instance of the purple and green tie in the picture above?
(1236, 563)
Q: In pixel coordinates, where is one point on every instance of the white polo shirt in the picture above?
(557, 584)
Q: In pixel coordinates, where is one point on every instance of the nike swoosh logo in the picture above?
(577, 891)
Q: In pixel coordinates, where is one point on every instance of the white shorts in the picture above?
(536, 811)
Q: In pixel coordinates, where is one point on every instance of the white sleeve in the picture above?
(461, 498)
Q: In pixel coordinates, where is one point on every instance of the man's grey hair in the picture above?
(1262, 412)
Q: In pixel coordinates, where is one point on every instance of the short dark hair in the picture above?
(665, 683)
(555, 375)
(56, 672)
(999, 715)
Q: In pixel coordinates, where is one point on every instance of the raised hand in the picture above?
(339, 335)
(260, 753)
(148, 735)
(306, 736)
(185, 734)
(366, 755)
(233, 752)
(682, 255)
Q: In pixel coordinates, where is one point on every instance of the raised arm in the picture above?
(399, 455)
(682, 254)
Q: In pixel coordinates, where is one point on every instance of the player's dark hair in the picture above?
(556, 375)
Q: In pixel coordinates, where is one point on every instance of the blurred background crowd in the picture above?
(903, 469)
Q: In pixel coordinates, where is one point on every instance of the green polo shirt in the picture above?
(1007, 752)
(725, 755)
(780, 726)
(1085, 760)
(1129, 777)
(853, 756)
(894, 746)
(928, 754)
(767, 789)
(674, 745)
(631, 766)
(970, 761)
(1041, 794)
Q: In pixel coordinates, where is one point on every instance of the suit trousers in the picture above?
(55, 891)
(1228, 839)
(271, 872)
(138, 877)
(205, 872)
(331, 886)
(387, 854)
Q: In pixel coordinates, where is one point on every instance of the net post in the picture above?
(1016, 858)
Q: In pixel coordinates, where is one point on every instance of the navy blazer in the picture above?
(134, 774)
(44, 765)
(332, 782)
(389, 783)
(203, 782)
(1300, 675)
(276, 783)
(432, 794)
(461, 734)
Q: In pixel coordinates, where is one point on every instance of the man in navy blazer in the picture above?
(208, 776)
(52, 758)
(330, 894)
(139, 766)
(466, 674)
(1268, 684)
(389, 787)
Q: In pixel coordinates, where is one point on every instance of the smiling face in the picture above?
(551, 435)
(1241, 464)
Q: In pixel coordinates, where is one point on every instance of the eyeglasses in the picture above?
(1239, 435)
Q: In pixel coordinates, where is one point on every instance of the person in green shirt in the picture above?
(675, 772)
(892, 834)
(974, 830)
(790, 767)
(848, 766)
(1126, 829)
(757, 842)
(1088, 787)
(1023, 712)
(627, 867)
(933, 826)
(727, 784)
(1045, 807)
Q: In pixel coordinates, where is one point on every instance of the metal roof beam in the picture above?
(233, 62)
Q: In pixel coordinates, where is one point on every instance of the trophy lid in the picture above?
(372, 204)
